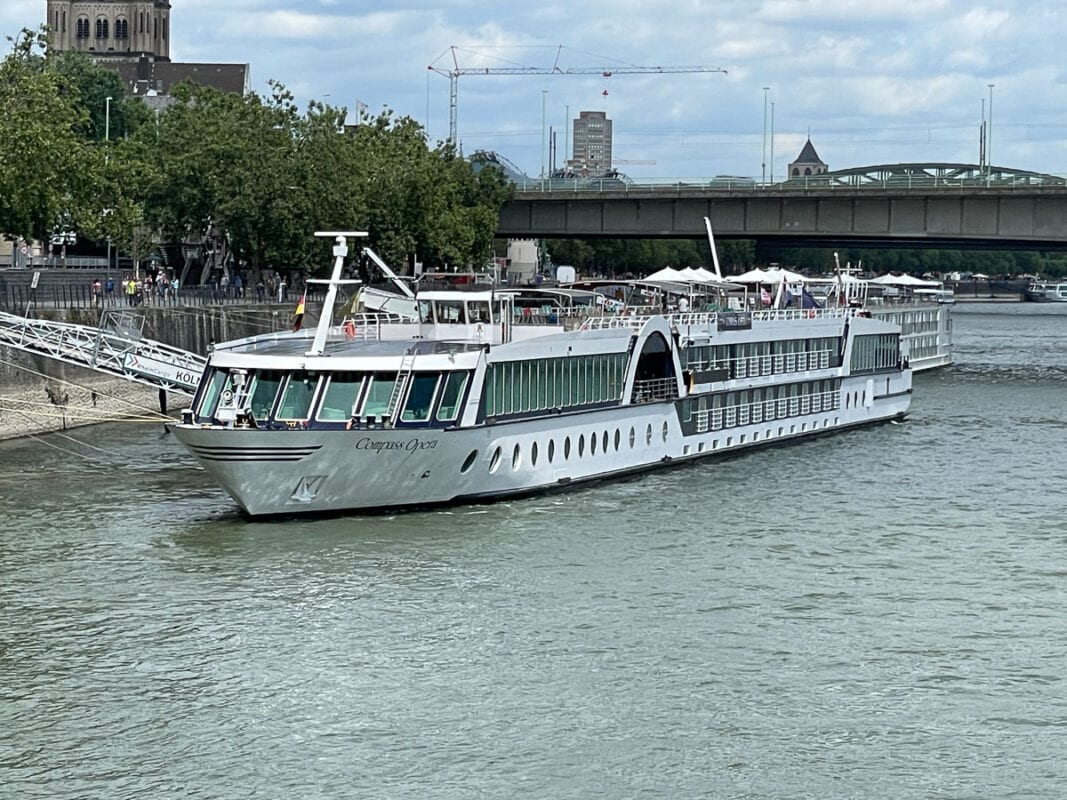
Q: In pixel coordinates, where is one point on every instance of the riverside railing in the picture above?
(18, 298)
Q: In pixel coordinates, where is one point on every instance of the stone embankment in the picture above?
(40, 394)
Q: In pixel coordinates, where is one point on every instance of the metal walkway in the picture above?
(116, 348)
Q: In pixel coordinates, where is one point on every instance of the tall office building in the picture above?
(591, 144)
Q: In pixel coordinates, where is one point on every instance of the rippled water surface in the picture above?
(876, 614)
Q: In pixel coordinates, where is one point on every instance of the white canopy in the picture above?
(699, 274)
(668, 274)
(903, 280)
(773, 275)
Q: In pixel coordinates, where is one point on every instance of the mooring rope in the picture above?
(63, 381)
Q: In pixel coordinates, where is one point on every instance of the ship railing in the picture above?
(773, 314)
(637, 321)
(648, 391)
(366, 327)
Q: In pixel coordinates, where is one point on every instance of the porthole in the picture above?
(604, 442)
(618, 439)
(533, 454)
(551, 450)
(633, 438)
(666, 430)
(581, 445)
(592, 444)
(648, 435)
(494, 462)
(567, 448)
(516, 457)
(469, 462)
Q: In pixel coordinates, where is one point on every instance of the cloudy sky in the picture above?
(886, 81)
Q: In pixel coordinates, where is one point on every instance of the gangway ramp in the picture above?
(116, 348)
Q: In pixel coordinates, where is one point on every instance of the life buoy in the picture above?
(350, 329)
(811, 313)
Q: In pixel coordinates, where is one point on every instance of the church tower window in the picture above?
(122, 29)
(101, 28)
(82, 28)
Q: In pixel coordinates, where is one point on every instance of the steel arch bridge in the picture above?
(927, 175)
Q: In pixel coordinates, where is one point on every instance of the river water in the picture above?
(876, 614)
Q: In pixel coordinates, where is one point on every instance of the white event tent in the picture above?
(904, 280)
(773, 275)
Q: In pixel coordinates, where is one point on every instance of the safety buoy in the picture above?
(350, 329)
(811, 313)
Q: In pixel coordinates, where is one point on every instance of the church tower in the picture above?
(111, 29)
(807, 163)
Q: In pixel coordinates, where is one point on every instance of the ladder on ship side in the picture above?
(407, 364)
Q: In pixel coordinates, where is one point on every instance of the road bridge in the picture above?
(893, 205)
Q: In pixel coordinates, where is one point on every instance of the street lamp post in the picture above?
(772, 141)
(989, 134)
(544, 101)
(765, 90)
(107, 119)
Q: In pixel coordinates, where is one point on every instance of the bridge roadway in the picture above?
(1010, 214)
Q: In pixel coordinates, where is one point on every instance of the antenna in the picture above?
(714, 254)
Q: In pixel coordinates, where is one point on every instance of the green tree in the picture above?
(49, 174)
(90, 86)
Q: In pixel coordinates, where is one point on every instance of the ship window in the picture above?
(264, 390)
(468, 462)
(533, 454)
(455, 382)
(426, 312)
(450, 311)
(378, 396)
(209, 397)
(494, 462)
(581, 445)
(339, 398)
(516, 457)
(297, 397)
(420, 397)
(551, 450)
(479, 311)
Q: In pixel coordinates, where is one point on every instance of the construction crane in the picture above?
(453, 74)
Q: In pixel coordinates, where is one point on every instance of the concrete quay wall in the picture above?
(41, 395)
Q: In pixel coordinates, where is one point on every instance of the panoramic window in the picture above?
(339, 398)
(264, 390)
(450, 398)
(420, 397)
(297, 397)
(378, 396)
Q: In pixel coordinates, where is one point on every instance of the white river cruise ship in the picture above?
(494, 393)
